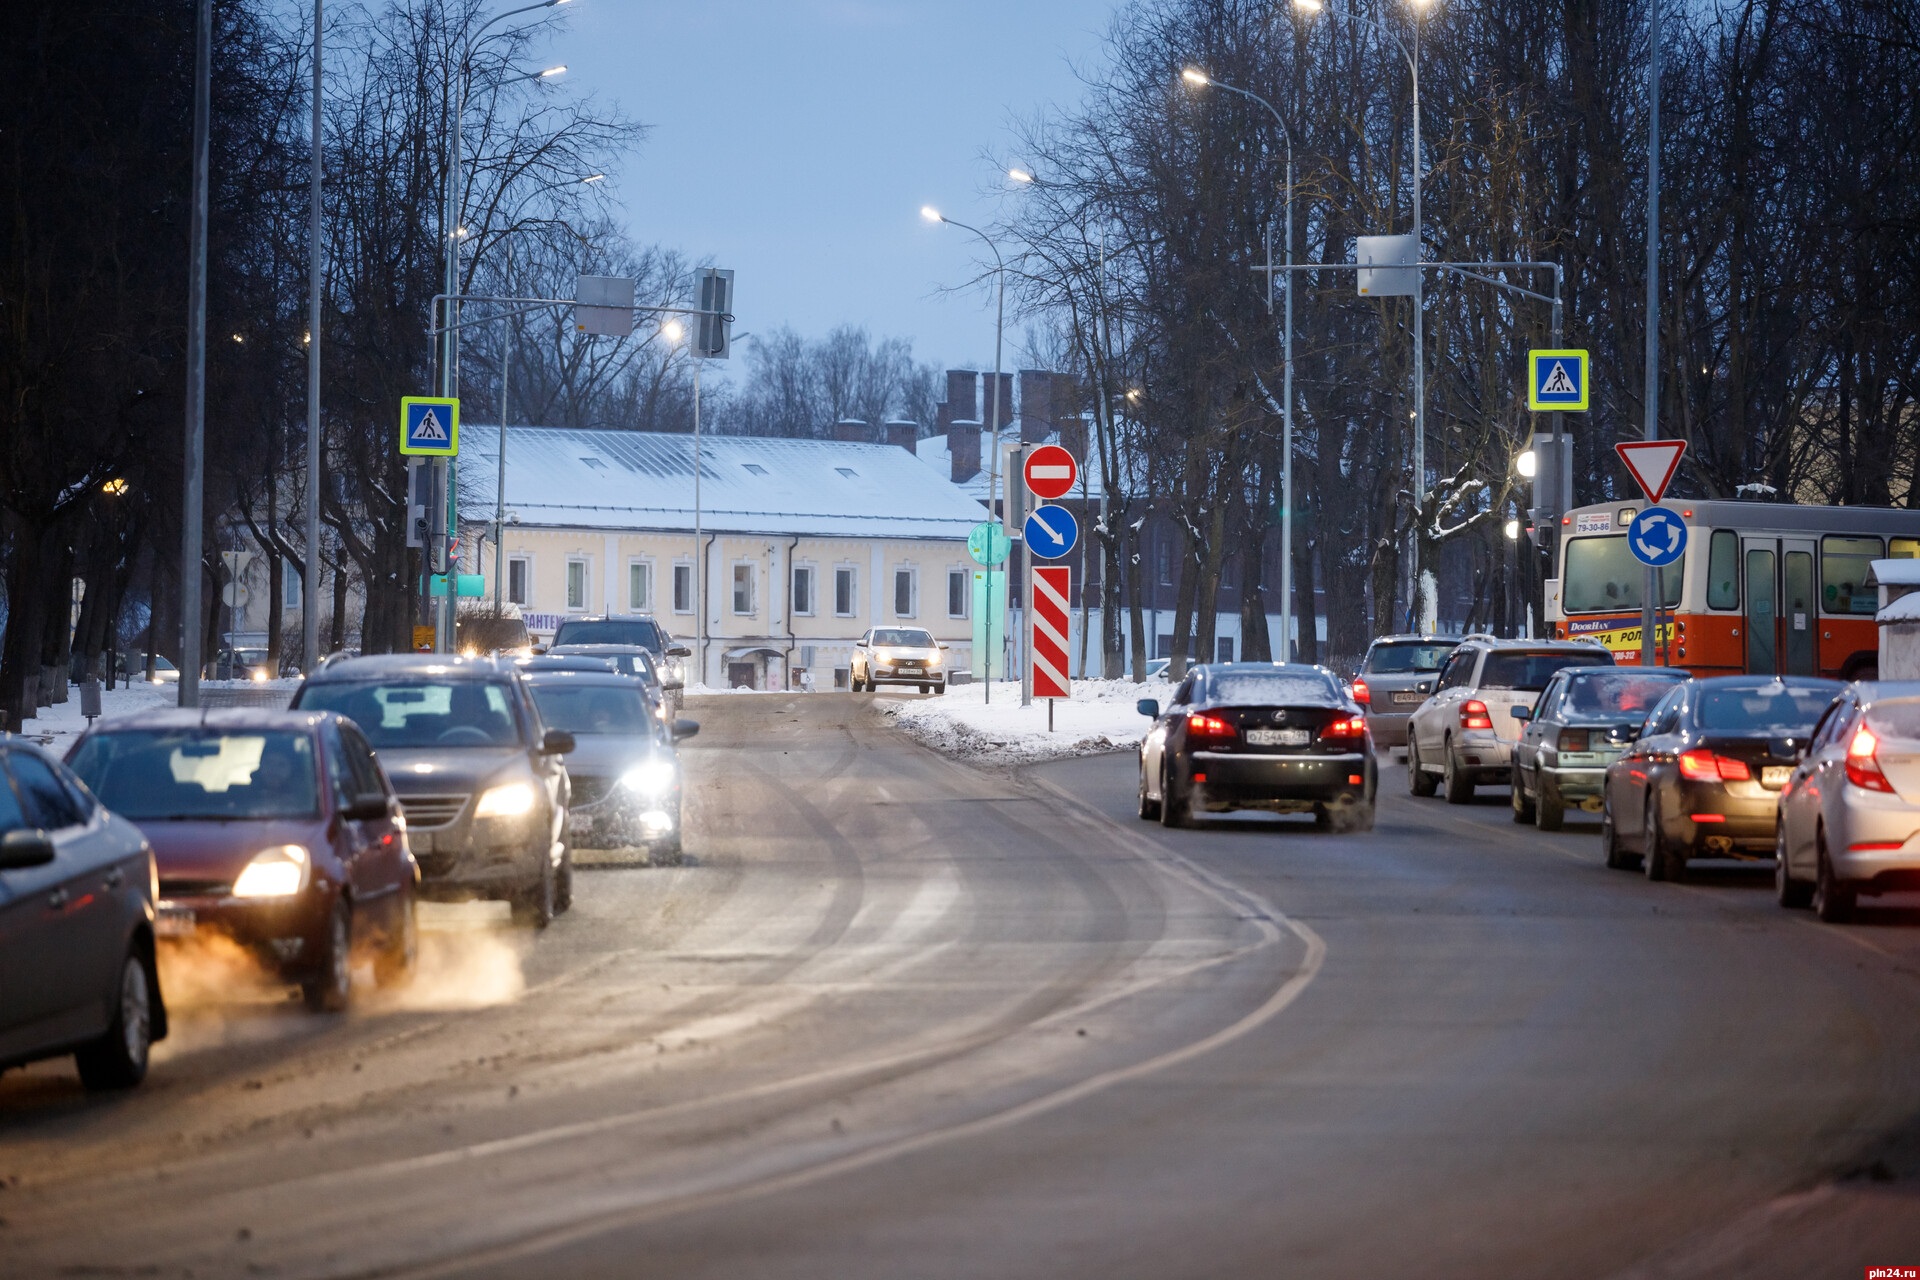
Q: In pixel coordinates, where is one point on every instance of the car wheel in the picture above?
(1522, 807)
(940, 690)
(1149, 809)
(328, 989)
(1549, 813)
(1173, 805)
(1792, 893)
(1832, 900)
(118, 1059)
(563, 880)
(1322, 818)
(1659, 859)
(1618, 859)
(926, 688)
(394, 966)
(1459, 785)
(1419, 781)
(533, 904)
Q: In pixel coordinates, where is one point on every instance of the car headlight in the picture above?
(279, 872)
(509, 801)
(651, 778)
(260, 676)
(934, 661)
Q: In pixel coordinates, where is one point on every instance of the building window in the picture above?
(754, 468)
(743, 588)
(683, 588)
(1223, 648)
(576, 584)
(843, 593)
(956, 593)
(290, 588)
(518, 571)
(1163, 556)
(803, 592)
(903, 593)
(639, 586)
(848, 472)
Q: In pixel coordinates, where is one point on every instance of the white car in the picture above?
(899, 655)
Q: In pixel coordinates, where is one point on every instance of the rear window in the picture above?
(1282, 687)
(642, 631)
(1762, 707)
(1533, 670)
(1396, 659)
(1603, 577)
(1628, 694)
(201, 773)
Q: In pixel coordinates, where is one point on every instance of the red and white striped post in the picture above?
(1050, 587)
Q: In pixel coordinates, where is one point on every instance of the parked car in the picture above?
(643, 631)
(624, 771)
(1282, 737)
(1850, 809)
(1462, 736)
(76, 926)
(1396, 676)
(1582, 723)
(637, 661)
(276, 829)
(1704, 774)
(899, 655)
(479, 775)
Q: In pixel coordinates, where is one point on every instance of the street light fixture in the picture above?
(552, 71)
(1020, 175)
(1526, 464)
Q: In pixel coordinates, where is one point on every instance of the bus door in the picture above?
(1781, 599)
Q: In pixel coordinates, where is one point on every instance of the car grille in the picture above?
(588, 791)
(194, 888)
(427, 812)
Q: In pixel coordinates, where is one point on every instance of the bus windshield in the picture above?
(1601, 576)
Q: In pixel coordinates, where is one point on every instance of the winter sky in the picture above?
(796, 140)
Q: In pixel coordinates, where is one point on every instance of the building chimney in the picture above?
(1073, 438)
(903, 434)
(852, 430)
(1036, 405)
(963, 442)
(963, 395)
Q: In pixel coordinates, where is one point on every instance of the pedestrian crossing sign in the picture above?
(429, 426)
(1557, 381)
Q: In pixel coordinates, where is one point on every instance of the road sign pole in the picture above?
(1026, 624)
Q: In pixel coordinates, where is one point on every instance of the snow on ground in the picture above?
(1099, 717)
(57, 726)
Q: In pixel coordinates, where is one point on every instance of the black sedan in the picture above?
(1703, 776)
(1285, 738)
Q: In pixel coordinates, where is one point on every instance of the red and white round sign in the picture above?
(1050, 472)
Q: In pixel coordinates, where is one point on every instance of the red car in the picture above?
(278, 829)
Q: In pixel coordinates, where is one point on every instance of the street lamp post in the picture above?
(993, 415)
(310, 585)
(1201, 79)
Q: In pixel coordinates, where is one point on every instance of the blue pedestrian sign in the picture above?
(429, 426)
(1557, 381)
(1657, 537)
(1052, 532)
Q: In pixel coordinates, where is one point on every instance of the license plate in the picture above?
(1278, 737)
(579, 824)
(174, 922)
(1415, 696)
(1776, 775)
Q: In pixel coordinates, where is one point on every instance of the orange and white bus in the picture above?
(1763, 588)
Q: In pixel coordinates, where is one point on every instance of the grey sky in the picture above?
(795, 142)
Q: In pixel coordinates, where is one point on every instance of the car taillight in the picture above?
(1208, 727)
(1473, 715)
(1573, 739)
(1863, 765)
(1345, 727)
(1361, 694)
(1704, 766)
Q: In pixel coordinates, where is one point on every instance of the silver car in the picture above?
(1849, 814)
(1586, 719)
(1395, 677)
(899, 655)
(623, 768)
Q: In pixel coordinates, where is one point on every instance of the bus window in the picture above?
(1903, 548)
(1723, 570)
(1603, 577)
(1843, 570)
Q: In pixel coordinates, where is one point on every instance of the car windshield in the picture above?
(201, 773)
(1398, 659)
(420, 713)
(1278, 688)
(641, 631)
(1613, 694)
(596, 709)
(1762, 707)
(900, 637)
(252, 657)
(1531, 671)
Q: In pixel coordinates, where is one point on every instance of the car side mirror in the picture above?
(538, 649)
(1148, 707)
(946, 646)
(370, 807)
(558, 742)
(684, 728)
(31, 847)
(679, 651)
(1521, 713)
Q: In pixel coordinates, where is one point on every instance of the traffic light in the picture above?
(714, 334)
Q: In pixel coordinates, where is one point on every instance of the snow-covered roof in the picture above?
(1905, 609)
(934, 452)
(1894, 573)
(748, 484)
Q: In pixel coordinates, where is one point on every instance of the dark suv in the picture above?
(641, 630)
(479, 775)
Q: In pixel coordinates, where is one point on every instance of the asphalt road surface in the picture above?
(903, 1017)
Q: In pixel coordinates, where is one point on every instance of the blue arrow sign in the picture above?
(1052, 532)
(1657, 537)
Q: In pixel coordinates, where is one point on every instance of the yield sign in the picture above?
(1652, 463)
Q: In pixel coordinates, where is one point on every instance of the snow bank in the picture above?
(1099, 717)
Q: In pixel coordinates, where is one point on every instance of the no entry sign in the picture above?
(1050, 632)
(1050, 472)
